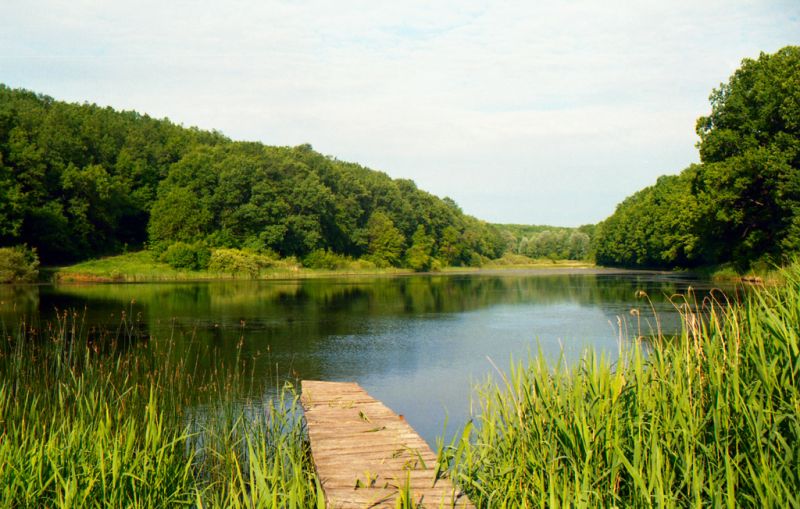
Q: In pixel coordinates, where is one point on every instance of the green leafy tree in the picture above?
(11, 205)
(78, 180)
(18, 264)
(385, 242)
(655, 227)
(742, 203)
(749, 183)
(418, 256)
(179, 215)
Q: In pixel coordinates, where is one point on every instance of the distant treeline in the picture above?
(540, 241)
(80, 181)
(741, 204)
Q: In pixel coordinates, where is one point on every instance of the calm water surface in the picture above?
(418, 343)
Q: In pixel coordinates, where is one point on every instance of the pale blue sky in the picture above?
(526, 112)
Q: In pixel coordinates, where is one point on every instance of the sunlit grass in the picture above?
(89, 421)
(707, 419)
(144, 266)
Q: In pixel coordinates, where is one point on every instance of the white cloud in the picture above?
(520, 111)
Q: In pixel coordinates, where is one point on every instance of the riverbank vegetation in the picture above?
(740, 206)
(708, 418)
(548, 242)
(245, 264)
(18, 264)
(79, 181)
(93, 415)
(224, 263)
(98, 418)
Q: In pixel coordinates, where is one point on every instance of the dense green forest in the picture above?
(79, 181)
(741, 204)
(541, 241)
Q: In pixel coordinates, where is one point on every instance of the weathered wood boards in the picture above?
(365, 454)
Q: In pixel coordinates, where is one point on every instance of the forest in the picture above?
(741, 204)
(79, 181)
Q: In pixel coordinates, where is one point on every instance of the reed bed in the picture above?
(114, 419)
(710, 418)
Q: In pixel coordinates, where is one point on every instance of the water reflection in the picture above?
(418, 343)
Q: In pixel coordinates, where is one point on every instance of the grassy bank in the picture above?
(145, 266)
(92, 419)
(758, 274)
(707, 419)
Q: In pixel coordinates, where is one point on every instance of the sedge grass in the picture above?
(88, 421)
(710, 418)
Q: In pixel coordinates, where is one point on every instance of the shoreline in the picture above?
(305, 274)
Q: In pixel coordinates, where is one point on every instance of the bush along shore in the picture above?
(708, 418)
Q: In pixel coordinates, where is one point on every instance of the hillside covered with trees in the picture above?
(79, 181)
(741, 203)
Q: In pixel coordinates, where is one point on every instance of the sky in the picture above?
(522, 112)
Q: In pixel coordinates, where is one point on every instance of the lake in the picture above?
(419, 343)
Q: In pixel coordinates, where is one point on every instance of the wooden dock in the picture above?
(365, 454)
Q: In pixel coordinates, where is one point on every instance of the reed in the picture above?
(710, 418)
(113, 419)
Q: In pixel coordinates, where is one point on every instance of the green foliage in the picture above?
(384, 241)
(181, 255)
(742, 204)
(656, 227)
(178, 215)
(80, 181)
(107, 421)
(706, 419)
(418, 256)
(238, 261)
(326, 259)
(555, 243)
(749, 182)
(18, 264)
(512, 259)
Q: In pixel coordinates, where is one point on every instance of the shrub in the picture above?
(236, 261)
(476, 260)
(326, 259)
(18, 264)
(187, 256)
(509, 258)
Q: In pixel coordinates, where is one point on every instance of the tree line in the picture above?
(741, 204)
(79, 181)
(553, 242)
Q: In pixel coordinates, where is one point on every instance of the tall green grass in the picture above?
(710, 418)
(91, 419)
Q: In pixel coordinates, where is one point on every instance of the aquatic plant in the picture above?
(114, 419)
(708, 418)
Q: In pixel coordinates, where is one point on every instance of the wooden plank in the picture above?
(364, 453)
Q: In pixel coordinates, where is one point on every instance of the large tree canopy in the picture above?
(78, 181)
(742, 203)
